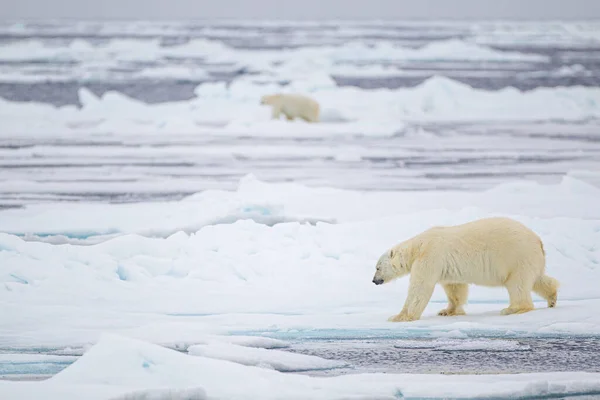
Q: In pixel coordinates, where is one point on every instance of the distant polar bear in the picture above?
(488, 252)
(292, 106)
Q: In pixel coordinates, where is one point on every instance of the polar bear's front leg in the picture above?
(420, 291)
(276, 111)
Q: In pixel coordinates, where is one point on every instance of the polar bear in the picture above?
(292, 106)
(488, 252)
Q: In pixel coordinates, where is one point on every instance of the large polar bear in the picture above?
(487, 252)
(292, 106)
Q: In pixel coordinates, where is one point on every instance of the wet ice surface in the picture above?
(479, 355)
(456, 356)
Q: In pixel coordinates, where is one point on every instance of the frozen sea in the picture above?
(161, 236)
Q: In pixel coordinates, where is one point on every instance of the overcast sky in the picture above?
(300, 9)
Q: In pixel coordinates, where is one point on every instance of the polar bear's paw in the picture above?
(513, 310)
(402, 317)
(450, 312)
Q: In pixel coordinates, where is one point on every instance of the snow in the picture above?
(123, 368)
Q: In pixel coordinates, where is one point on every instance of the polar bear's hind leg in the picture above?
(457, 297)
(547, 288)
(519, 285)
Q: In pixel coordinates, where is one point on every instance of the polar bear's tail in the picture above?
(547, 287)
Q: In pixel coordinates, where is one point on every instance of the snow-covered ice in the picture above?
(268, 204)
(235, 110)
(216, 262)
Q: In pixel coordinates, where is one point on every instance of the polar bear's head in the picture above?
(389, 267)
(269, 99)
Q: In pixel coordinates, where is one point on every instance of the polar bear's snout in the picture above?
(377, 281)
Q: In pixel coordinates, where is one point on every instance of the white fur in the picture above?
(487, 252)
(292, 106)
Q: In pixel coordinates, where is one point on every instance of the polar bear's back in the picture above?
(300, 105)
(484, 252)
